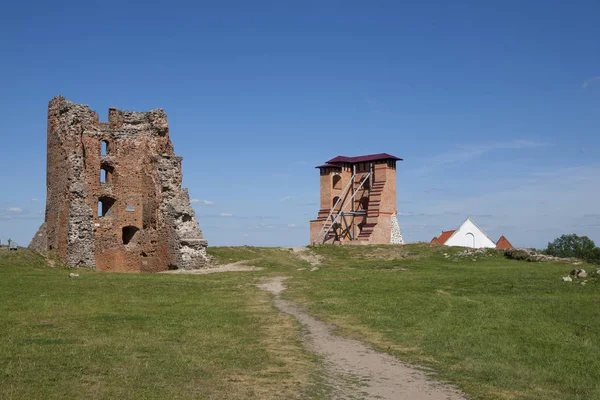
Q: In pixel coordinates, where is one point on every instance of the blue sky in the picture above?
(494, 106)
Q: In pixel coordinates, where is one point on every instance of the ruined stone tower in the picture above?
(358, 201)
(114, 198)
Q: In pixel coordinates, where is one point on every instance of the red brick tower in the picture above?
(358, 201)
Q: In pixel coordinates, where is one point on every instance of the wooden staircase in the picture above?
(372, 211)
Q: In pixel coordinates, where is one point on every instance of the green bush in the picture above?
(572, 245)
(520, 255)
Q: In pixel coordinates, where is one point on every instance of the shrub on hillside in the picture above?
(520, 255)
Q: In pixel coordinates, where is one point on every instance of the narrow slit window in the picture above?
(104, 148)
(106, 174)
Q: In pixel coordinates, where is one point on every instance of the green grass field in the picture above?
(497, 328)
(128, 336)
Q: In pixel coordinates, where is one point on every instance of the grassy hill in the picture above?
(498, 328)
(128, 336)
(501, 329)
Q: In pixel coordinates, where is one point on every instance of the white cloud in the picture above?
(225, 215)
(591, 81)
(34, 199)
(469, 152)
(14, 210)
(292, 225)
(203, 202)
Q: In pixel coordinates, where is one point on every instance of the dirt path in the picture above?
(357, 371)
(304, 253)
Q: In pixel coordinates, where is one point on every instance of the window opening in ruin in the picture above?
(106, 174)
(104, 206)
(129, 233)
(104, 148)
(337, 182)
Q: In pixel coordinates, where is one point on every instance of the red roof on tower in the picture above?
(327, 165)
(370, 157)
(353, 160)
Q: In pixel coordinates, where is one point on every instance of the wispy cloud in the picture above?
(225, 214)
(285, 198)
(591, 81)
(14, 213)
(203, 202)
(34, 199)
(307, 204)
(466, 153)
(469, 152)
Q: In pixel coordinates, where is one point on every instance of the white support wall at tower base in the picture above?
(396, 236)
(470, 235)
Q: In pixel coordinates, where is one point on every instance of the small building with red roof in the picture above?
(469, 234)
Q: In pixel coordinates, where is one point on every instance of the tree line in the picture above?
(572, 245)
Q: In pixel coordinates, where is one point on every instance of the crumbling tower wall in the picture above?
(114, 197)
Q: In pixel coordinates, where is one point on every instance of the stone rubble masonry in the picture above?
(396, 233)
(137, 219)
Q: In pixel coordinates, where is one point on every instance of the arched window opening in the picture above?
(334, 202)
(104, 148)
(104, 206)
(106, 174)
(337, 182)
(129, 233)
(364, 203)
(470, 240)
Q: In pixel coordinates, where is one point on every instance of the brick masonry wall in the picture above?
(382, 206)
(148, 225)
